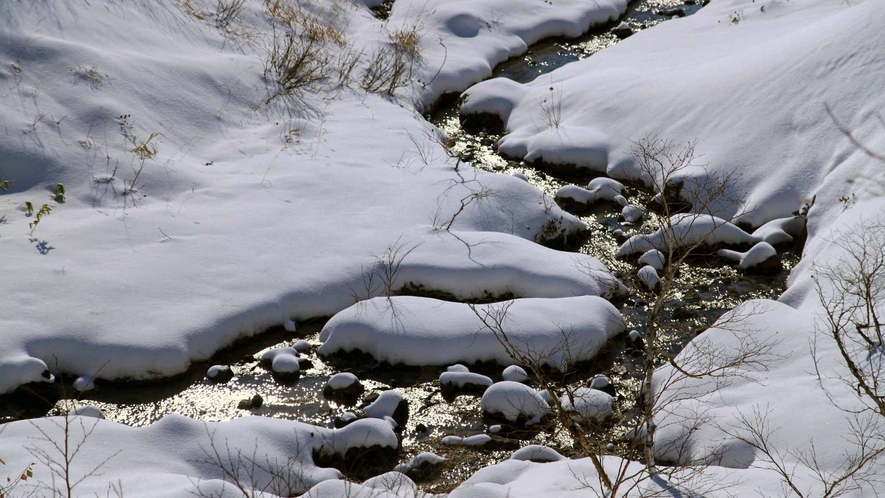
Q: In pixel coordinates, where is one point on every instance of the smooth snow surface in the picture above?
(653, 258)
(424, 331)
(475, 440)
(245, 214)
(423, 458)
(216, 370)
(513, 400)
(649, 277)
(457, 368)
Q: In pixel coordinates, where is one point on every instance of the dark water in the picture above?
(704, 290)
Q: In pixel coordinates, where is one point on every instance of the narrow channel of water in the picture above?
(704, 291)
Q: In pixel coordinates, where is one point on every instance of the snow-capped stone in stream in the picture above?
(514, 400)
(635, 343)
(599, 189)
(87, 411)
(424, 331)
(457, 368)
(389, 404)
(461, 380)
(537, 453)
(521, 176)
(760, 255)
(688, 229)
(603, 383)
(622, 30)
(649, 277)
(494, 429)
(301, 346)
(220, 373)
(588, 404)
(781, 230)
(631, 214)
(653, 258)
(515, 373)
(475, 440)
(420, 460)
(348, 416)
(343, 384)
(270, 354)
(83, 384)
(286, 364)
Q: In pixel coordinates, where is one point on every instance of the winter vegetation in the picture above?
(258, 196)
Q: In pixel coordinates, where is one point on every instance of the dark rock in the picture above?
(251, 404)
(672, 12)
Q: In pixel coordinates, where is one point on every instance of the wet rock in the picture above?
(672, 12)
(253, 403)
(622, 30)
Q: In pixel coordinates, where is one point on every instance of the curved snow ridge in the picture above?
(463, 40)
(558, 144)
(422, 331)
(698, 79)
(177, 452)
(688, 229)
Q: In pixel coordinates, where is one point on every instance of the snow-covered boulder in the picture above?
(219, 373)
(475, 440)
(286, 365)
(343, 384)
(515, 373)
(588, 404)
(598, 190)
(423, 331)
(649, 277)
(87, 411)
(760, 257)
(463, 382)
(653, 258)
(537, 453)
(83, 384)
(781, 230)
(688, 229)
(421, 465)
(389, 404)
(513, 400)
(631, 214)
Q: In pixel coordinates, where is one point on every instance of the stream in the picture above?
(704, 290)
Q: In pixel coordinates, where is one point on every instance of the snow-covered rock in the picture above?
(475, 440)
(514, 400)
(286, 365)
(688, 229)
(653, 258)
(389, 404)
(423, 331)
(631, 214)
(588, 404)
(87, 411)
(515, 373)
(301, 346)
(420, 460)
(460, 380)
(219, 373)
(650, 278)
(761, 254)
(82, 384)
(537, 453)
(599, 189)
(457, 368)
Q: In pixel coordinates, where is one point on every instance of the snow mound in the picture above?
(475, 440)
(631, 214)
(87, 411)
(285, 364)
(537, 453)
(514, 400)
(781, 230)
(82, 384)
(515, 373)
(688, 229)
(423, 331)
(653, 258)
(457, 368)
(649, 277)
(388, 485)
(462, 379)
(386, 405)
(301, 346)
(603, 191)
(271, 354)
(342, 380)
(560, 145)
(758, 254)
(588, 404)
(421, 459)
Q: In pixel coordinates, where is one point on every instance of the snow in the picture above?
(342, 380)
(424, 331)
(82, 384)
(272, 353)
(687, 230)
(171, 454)
(588, 403)
(590, 195)
(423, 458)
(513, 400)
(756, 255)
(475, 440)
(216, 370)
(649, 277)
(387, 485)
(515, 373)
(301, 346)
(781, 230)
(87, 411)
(385, 405)
(461, 379)
(457, 368)
(631, 214)
(537, 453)
(494, 429)
(233, 181)
(286, 364)
(653, 258)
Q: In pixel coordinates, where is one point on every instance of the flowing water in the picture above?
(704, 290)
